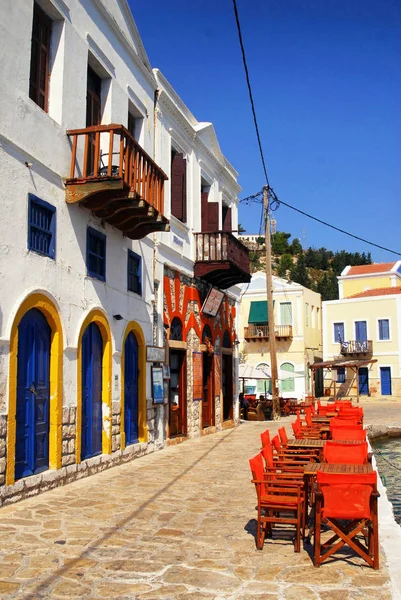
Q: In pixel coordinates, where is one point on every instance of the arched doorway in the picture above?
(131, 382)
(177, 395)
(33, 394)
(92, 376)
(207, 380)
(227, 377)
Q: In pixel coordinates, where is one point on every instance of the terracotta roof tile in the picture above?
(387, 291)
(370, 269)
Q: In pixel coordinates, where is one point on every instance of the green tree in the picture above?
(296, 247)
(299, 272)
(241, 229)
(260, 240)
(328, 286)
(280, 242)
(285, 264)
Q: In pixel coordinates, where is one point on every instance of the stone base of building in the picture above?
(42, 482)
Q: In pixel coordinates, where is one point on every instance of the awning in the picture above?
(334, 364)
(258, 312)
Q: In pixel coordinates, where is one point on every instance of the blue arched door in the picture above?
(33, 395)
(131, 373)
(92, 354)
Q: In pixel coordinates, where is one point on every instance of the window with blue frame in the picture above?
(338, 332)
(340, 374)
(96, 254)
(41, 226)
(384, 329)
(134, 280)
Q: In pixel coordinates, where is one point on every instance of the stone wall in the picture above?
(3, 448)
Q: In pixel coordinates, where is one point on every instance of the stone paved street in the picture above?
(175, 524)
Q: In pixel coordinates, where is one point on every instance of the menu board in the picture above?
(198, 375)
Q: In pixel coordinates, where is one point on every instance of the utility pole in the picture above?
(270, 307)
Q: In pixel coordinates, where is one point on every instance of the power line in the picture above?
(275, 203)
(250, 90)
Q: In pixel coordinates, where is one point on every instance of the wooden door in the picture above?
(93, 116)
(227, 386)
(92, 354)
(131, 373)
(385, 381)
(227, 221)
(33, 395)
(177, 396)
(204, 212)
(363, 380)
(208, 391)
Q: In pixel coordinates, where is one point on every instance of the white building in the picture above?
(82, 256)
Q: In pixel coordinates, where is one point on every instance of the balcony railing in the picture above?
(354, 347)
(255, 332)
(221, 258)
(114, 177)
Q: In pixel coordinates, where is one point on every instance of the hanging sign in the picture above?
(212, 303)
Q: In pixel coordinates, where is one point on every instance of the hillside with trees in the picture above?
(314, 268)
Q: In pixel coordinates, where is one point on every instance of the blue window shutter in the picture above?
(96, 254)
(339, 332)
(340, 374)
(384, 329)
(134, 273)
(41, 226)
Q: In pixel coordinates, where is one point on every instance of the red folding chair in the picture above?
(347, 504)
(265, 438)
(278, 502)
(348, 433)
(335, 452)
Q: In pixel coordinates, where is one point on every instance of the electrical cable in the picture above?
(275, 203)
(248, 82)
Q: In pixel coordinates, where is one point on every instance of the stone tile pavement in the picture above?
(177, 524)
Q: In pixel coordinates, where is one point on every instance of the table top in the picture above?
(305, 442)
(320, 419)
(312, 468)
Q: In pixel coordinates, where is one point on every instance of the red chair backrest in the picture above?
(276, 443)
(283, 436)
(258, 470)
(296, 429)
(340, 404)
(267, 453)
(265, 438)
(323, 409)
(335, 452)
(308, 417)
(346, 496)
(348, 433)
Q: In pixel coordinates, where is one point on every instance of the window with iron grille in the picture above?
(41, 226)
(134, 273)
(96, 254)
(40, 58)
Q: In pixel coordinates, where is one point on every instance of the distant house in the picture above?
(361, 332)
(298, 334)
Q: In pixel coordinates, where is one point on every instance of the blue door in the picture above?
(361, 332)
(92, 354)
(385, 379)
(33, 395)
(131, 372)
(363, 377)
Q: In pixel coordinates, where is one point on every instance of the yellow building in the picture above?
(298, 333)
(361, 332)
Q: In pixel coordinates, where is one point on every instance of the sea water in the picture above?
(388, 458)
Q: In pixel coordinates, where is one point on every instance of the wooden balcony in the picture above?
(116, 179)
(354, 348)
(261, 332)
(221, 259)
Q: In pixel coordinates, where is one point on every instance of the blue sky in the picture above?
(326, 80)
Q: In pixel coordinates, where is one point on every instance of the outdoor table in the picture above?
(305, 443)
(311, 469)
(321, 419)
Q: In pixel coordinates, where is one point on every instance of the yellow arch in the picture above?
(96, 316)
(49, 310)
(142, 429)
